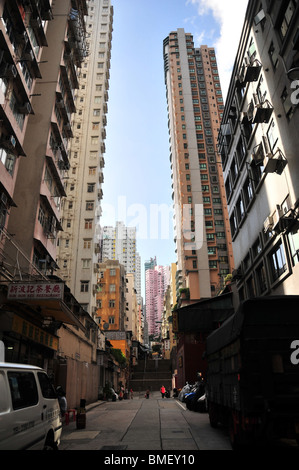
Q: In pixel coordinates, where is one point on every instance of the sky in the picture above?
(137, 175)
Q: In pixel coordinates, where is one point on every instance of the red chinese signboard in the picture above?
(37, 290)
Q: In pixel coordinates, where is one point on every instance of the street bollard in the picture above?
(81, 415)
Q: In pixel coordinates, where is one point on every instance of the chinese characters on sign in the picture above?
(36, 291)
(28, 330)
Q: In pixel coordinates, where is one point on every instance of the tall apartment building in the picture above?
(156, 283)
(42, 47)
(259, 151)
(111, 305)
(195, 107)
(119, 243)
(79, 241)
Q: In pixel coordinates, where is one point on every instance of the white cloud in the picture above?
(229, 14)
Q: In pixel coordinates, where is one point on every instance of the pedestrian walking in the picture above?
(147, 394)
(163, 391)
(62, 400)
(131, 394)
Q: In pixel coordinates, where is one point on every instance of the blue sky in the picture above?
(137, 175)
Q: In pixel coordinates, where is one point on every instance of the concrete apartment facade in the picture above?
(258, 143)
(195, 107)
(44, 45)
(78, 252)
(119, 243)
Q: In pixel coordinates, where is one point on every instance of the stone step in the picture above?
(151, 374)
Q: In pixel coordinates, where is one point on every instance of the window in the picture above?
(272, 136)
(294, 246)
(23, 389)
(213, 264)
(257, 248)
(277, 261)
(251, 287)
(88, 224)
(248, 191)
(87, 244)
(288, 15)
(84, 286)
(111, 303)
(240, 209)
(86, 263)
(233, 224)
(261, 277)
(46, 386)
(287, 103)
(273, 56)
(8, 160)
(112, 288)
(89, 205)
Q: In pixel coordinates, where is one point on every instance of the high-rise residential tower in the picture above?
(195, 106)
(258, 144)
(156, 283)
(78, 243)
(119, 243)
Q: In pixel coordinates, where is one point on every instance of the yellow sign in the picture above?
(175, 322)
(27, 329)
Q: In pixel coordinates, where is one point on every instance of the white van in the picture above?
(29, 410)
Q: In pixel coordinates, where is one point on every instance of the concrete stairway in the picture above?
(151, 374)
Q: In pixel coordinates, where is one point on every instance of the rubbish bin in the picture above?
(81, 415)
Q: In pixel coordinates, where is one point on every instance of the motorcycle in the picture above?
(186, 389)
(196, 399)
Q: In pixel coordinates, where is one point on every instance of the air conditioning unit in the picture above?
(36, 22)
(276, 163)
(60, 104)
(252, 72)
(8, 71)
(95, 267)
(28, 56)
(25, 109)
(257, 156)
(237, 273)
(277, 214)
(268, 224)
(262, 113)
(94, 289)
(4, 199)
(9, 141)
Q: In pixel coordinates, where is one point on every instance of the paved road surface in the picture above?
(155, 424)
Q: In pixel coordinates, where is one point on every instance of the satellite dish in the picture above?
(106, 326)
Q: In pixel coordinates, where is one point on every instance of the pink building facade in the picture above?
(156, 282)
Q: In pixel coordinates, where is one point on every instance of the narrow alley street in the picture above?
(155, 424)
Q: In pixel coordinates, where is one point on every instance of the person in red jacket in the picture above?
(163, 391)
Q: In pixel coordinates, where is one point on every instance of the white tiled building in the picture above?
(78, 244)
(258, 144)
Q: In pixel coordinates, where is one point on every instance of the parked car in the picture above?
(30, 415)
